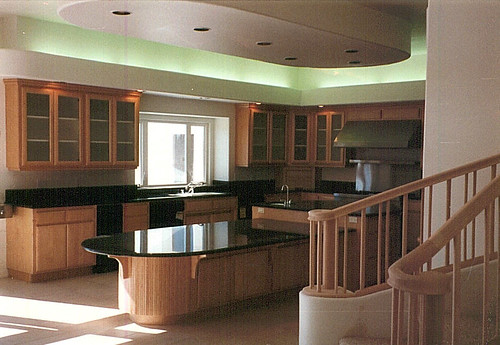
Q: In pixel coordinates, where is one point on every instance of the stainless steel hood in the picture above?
(380, 134)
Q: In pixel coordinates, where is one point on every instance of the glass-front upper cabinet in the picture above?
(260, 136)
(99, 147)
(68, 131)
(53, 125)
(328, 126)
(127, 131)
(301, 139)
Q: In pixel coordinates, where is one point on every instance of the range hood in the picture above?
(380, 134)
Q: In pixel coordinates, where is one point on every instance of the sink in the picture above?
(195, 194)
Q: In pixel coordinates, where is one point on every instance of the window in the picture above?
(174, 150)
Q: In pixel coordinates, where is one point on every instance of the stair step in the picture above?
(364, 341)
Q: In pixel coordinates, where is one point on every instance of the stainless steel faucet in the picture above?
(287, 201)
(192, 185)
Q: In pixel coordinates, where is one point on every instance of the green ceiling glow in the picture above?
(71, 41)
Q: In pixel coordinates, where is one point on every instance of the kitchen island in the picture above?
(166, 274)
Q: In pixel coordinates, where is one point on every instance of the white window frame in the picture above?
(145, 117)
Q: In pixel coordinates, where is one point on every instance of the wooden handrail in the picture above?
(323, 215)
(401, 273)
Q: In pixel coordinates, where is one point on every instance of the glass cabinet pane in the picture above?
(37, 127)
(336, 126)
(321, 137)
(259, 137)
(125, 131)
(99, 130)
(300, 138)
(278, 140)
(68, 128)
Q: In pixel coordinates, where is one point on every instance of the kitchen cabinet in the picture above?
(290, 265)
(135, 216)
(261, 136)
(215, 278)
(327, 126)
(210, 210)
(252, 274)
(300, 138)
(392, 111)
(56, 126)
(44, 244)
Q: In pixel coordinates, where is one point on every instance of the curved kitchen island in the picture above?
(166, 274)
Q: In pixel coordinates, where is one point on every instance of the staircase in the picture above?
(445, 291)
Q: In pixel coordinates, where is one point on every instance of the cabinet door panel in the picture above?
(127, 131)
(100, 135)
(68, 130)
(215, 281)
(252, 274)
(197, 218)
(76, 255)
(290, 266)
(50, 247)
(37, 134)
(223, 216)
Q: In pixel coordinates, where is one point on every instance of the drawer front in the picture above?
(225, 203)
(198, 205)
(80, 214)
(136, 209)
(44, 217)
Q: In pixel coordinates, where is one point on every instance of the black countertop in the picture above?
(198, 239)
(340, 200)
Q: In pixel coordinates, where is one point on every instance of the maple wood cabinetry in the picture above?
(327, 126)
(45, 243)
(396, 111)
(210, 210)
(135, 216)
(261, 136)
(54, 125)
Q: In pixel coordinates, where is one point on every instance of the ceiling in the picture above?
(303, 33)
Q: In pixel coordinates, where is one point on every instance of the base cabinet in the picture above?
(44, 244)
(224, 278)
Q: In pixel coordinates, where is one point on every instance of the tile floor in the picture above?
(84, 311)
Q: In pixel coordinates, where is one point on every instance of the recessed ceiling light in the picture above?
(354, 62)
(351, 51)
(258, 103)
(201, 29)
(121, 13)
(320, 106)
(290, 58)
(264, 43)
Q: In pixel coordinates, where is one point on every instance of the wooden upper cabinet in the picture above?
(300, 138)
(327, 126)
(391, 111)
(54, 125)
(260, 136)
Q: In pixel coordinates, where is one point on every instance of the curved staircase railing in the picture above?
(382, 229)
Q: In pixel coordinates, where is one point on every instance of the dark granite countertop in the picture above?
(308, 205)
(198, 239)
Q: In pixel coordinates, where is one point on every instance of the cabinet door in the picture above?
(68, 129)
(99, 140)
(127, 131)
(252, 274)
(278, 138)
(300, 148)
(37, 128)
(328, 126)
(336, 154)
(76, 255)
(215, 281)
(50, 247)
(410, 112)
(290, 266)
(364, 114)
(259, 146)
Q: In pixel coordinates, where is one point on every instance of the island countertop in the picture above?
(197, 239)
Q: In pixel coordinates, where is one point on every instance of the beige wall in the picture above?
(462, 119)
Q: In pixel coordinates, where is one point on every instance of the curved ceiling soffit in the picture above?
(315, 34)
